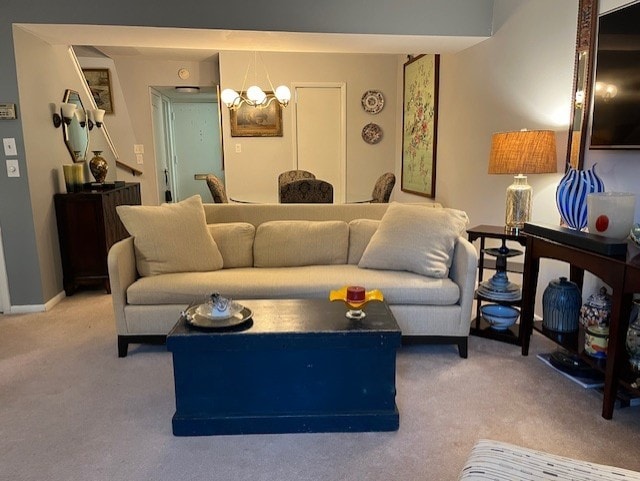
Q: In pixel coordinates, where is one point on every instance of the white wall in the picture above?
(137, 74)
(519, 78)
(118, 124)
(45, 150)
(252, 174)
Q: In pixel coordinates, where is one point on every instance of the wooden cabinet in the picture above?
(88, 225)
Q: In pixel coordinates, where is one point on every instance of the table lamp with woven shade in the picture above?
(522, 152)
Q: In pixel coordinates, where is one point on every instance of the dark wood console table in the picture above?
(88, 226)
(611, 261)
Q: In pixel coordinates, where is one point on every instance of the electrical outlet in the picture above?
(139, 159)
(238, 148)
(13, 169)
(10, 147)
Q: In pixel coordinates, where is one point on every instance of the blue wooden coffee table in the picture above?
(299, 366)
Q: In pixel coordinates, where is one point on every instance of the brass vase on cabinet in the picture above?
(98, 166)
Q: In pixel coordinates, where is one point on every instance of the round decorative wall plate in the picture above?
(372, 101)
(372, 133)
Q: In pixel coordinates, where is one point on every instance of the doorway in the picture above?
(320, 133)
(187, 140)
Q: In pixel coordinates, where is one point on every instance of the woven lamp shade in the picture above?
(523, 152)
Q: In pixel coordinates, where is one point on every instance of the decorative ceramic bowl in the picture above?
(500, 317)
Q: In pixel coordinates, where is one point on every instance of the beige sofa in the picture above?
(294, 251)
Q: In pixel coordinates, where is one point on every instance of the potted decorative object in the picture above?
(561, 303)
(594, 316)
(98, 166)
(633, 343)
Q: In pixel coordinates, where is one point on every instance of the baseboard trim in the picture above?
(31, 308)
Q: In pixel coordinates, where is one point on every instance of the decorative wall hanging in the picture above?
(373, 101)
(372, 133)
(420, 122)
(99, 83)
(250, 121)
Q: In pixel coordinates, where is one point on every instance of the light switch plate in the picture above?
(10, 146)
(138, 148)
(13, 169)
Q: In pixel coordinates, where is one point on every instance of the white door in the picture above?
(160, 143)
(320, 134)
(197, 147)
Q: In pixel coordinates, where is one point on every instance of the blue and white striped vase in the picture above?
(571, 195)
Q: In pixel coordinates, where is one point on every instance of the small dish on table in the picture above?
(217, 313)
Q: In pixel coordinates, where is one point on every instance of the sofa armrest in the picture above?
(464, 272)
(121, 263)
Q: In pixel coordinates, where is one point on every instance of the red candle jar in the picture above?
(355, 294)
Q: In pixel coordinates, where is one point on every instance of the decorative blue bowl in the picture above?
(498, 316)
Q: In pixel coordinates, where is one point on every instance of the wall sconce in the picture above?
(82, 117)
(98, 117)
(68, 111)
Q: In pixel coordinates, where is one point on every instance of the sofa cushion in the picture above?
(288, 243)
(360, 233)
(415, 239)
(235, 242)
(398, 287)
(171, 237)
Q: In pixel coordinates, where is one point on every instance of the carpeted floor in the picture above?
(70, 409)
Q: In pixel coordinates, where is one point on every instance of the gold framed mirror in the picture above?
(76, 134)
(582, 82)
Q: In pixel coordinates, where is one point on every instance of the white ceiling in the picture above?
(200, 44)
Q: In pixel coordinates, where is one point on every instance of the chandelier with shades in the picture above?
(254, 95)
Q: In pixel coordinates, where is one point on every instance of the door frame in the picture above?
(5, 301)
(343, 128)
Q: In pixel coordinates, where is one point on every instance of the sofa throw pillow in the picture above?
(235, 242)
(291, 243)
(415, 239)
(360, 232)
(171, 237)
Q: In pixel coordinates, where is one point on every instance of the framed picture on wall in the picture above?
(420, 125)
(248, 121)
(99, 83)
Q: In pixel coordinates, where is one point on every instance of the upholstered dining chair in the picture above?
(381, 190)
(307, 191)
(217, 189)
(383, 187)
(291, 175)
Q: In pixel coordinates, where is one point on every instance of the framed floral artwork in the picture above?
(420, 125)
(99, 83)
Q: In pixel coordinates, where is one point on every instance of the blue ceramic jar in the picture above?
(561, 303)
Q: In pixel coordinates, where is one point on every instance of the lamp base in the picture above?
(518, 207)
